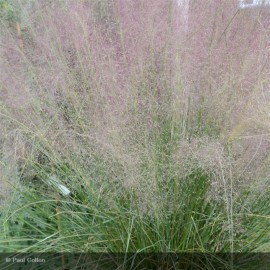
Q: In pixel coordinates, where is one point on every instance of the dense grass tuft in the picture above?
(157, 125)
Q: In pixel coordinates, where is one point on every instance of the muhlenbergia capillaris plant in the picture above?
(135, 126)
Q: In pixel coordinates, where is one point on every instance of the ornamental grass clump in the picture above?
(131, 128)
